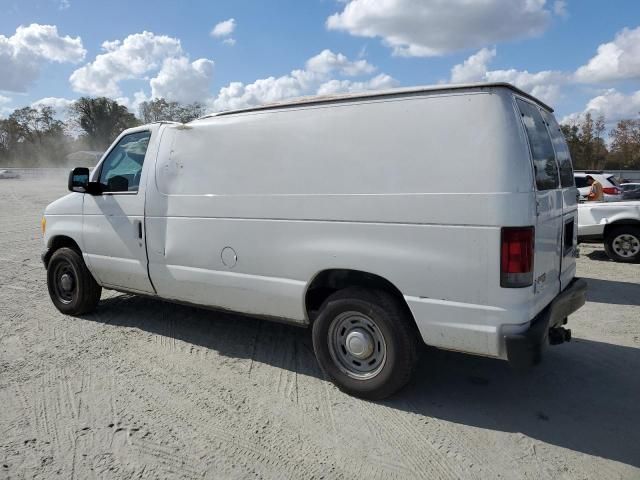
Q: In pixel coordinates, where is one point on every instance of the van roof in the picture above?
(394, 92)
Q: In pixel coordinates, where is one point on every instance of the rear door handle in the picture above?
(139, 225)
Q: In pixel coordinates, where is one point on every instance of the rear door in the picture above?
(569, 201)
(548, 227)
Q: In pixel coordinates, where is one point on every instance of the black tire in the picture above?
(630, 236)
(78, 293)
(397, 330)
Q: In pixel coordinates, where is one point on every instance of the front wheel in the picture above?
(622, 244)
(365, 342)
(72, 288)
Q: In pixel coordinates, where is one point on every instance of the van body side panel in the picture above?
(416, 194)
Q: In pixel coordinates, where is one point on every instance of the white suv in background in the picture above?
(612, 193)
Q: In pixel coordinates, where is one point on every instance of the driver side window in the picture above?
(122, 168)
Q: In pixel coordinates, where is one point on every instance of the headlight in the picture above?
(43, 224)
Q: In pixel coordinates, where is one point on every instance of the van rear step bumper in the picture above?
(525, 349)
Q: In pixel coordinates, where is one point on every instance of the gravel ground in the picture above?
(146, 389)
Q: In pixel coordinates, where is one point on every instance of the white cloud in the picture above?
(316, 78)
(560, 8)
(327, 61)
(474, 68)
(616, 60)
(133, 104)
(23, 54)
(224, 29)
(611, 103)
(181, 81)
(4, 109)
(544, 85)
(60, 105)
(132, 58)
(423, 28)
(379, 82)
(229, 41)
(265, 90)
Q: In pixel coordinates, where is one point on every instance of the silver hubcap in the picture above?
(357, 345)
(66, 282)
(626, 245)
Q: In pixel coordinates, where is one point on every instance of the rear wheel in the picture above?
(365, 342)
(72, 288)
(622, 244)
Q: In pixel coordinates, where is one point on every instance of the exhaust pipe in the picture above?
(559, 335)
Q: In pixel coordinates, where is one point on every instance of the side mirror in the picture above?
(79, 180)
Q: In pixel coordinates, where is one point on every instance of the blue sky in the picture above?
(544, 47)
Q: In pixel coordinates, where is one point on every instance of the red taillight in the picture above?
(516, 257)
(611, 190)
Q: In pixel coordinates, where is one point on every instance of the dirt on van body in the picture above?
(147, 389)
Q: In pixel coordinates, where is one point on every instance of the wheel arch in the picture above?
(326, 282)
(609, 227)
(57, 242)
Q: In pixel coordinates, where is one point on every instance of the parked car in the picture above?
(317, 213)
(615, 224)
(9, 174)
(612, 193)
(630, 191)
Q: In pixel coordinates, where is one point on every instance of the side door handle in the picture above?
(139, 227)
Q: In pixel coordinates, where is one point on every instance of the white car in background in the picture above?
(8, 174)
(617, 225)
(612, 193)
(630, 191)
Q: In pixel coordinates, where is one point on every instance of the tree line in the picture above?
(590, 151)
(34, 136)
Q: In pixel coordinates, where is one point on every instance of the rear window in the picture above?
(581, 182)
(544, 162)
(563, 157)
(612, 180)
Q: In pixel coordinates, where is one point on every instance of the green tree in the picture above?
(159, 109)
(101, 119)
(33, 136)
(573, 141)
(625, 144)
(586, 143)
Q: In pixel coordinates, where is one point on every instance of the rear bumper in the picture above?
(525, 349)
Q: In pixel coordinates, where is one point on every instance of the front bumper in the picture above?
(525, 349)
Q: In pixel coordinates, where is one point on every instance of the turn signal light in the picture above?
(516, 257)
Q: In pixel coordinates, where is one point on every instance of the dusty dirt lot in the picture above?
(146, 389)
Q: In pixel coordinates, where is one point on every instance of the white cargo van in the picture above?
(444, 215)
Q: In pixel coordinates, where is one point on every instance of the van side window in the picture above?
(544, 162)
(121, 169)
(563, 157)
